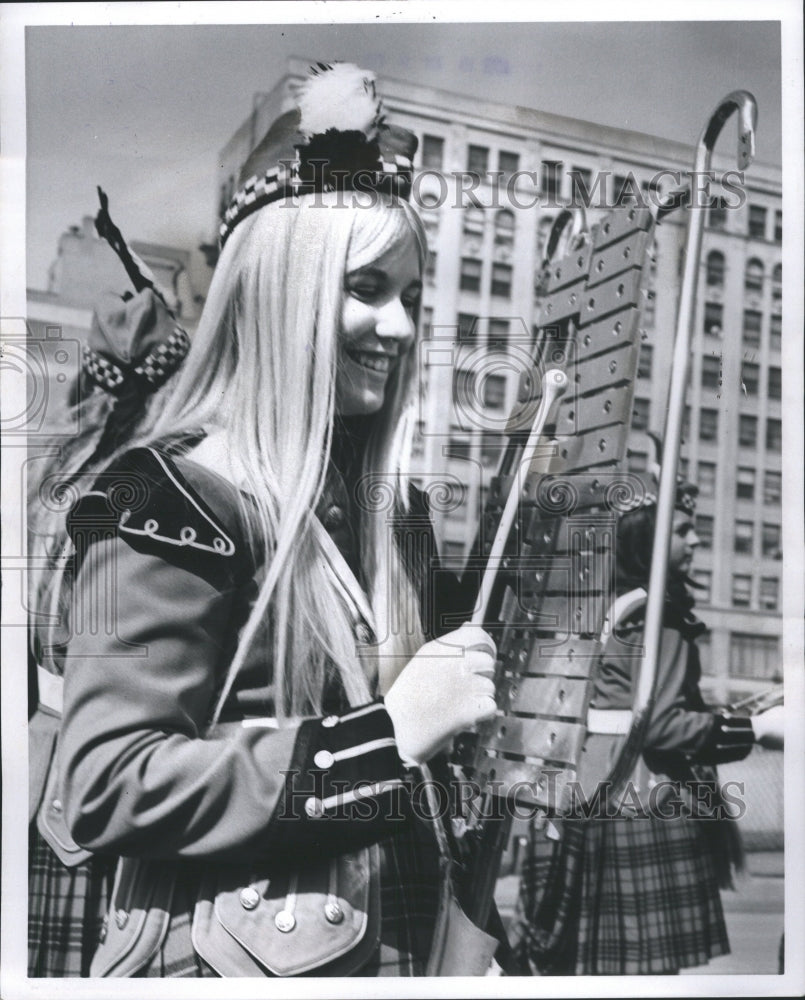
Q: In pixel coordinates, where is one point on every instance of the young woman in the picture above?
(246, 716)
(634, 889)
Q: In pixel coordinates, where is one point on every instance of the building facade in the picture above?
(491, 179)
(59, 317)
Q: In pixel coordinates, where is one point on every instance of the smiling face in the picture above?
(683, 544)
(377, 326)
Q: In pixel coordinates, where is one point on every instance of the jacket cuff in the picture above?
(730, 738)
(346, 786)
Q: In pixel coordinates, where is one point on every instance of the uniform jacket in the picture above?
(683, 733)
(284, 822)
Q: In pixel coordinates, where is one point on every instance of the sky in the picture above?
(143, 110)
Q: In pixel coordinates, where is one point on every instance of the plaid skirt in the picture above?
(67, 908)
(641, 898)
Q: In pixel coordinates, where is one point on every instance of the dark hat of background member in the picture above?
(687, 492)
(335, 139)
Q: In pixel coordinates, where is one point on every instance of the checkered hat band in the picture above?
(154, 369)
(281, 182)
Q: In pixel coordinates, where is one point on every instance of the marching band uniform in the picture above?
(239, 847)
(250, 804)
(641, 883)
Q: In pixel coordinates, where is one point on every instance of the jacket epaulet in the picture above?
(147, 501)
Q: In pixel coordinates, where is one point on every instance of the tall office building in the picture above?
(491, 180)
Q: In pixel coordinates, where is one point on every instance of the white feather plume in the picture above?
(341, 96)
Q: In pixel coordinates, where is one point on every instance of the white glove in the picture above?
(769, 728)
(445, 689)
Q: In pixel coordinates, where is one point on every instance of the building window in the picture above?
(491, 445)
(640, 414)
(504, 229)
(777, 283)
(744, 536)
(464, 389)
(752, 326)
(686, 423)
(776, 333)
(644, 361)
(769, 593)
(458, 448)
(706, 478)
(508, 163)
(755, 656)
(772, 487)
(551, 179)
(682, 468)
(715, 269)
(747, 431)
(717, 214)
(775, 383)
(711, 372)
(470, 279)
(430, 267)
(745, 483)
(498, 333)
(477, 160)
(501, 280)
(427, 322)
(704, 580)
(757, 222)
(494, 391)
(753, 276)
(432, 152)
(708, 425)
(771, 540)
(704, 529)
(467, 328)
(713, 318)
(774, 435)
(580, 181)
(750, 378)
(741, 591)
(778, 226)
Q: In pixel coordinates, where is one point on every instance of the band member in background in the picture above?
(634, 889)
(246, 736)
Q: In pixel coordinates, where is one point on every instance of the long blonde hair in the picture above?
(262, 369)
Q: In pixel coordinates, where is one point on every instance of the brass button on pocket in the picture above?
(121, 919)
(333, 913)
(249, 897)
(285, 921)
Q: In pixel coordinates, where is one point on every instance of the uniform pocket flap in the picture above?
(52, 825)
(291, 924)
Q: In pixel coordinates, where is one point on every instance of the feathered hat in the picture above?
(335, 139)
